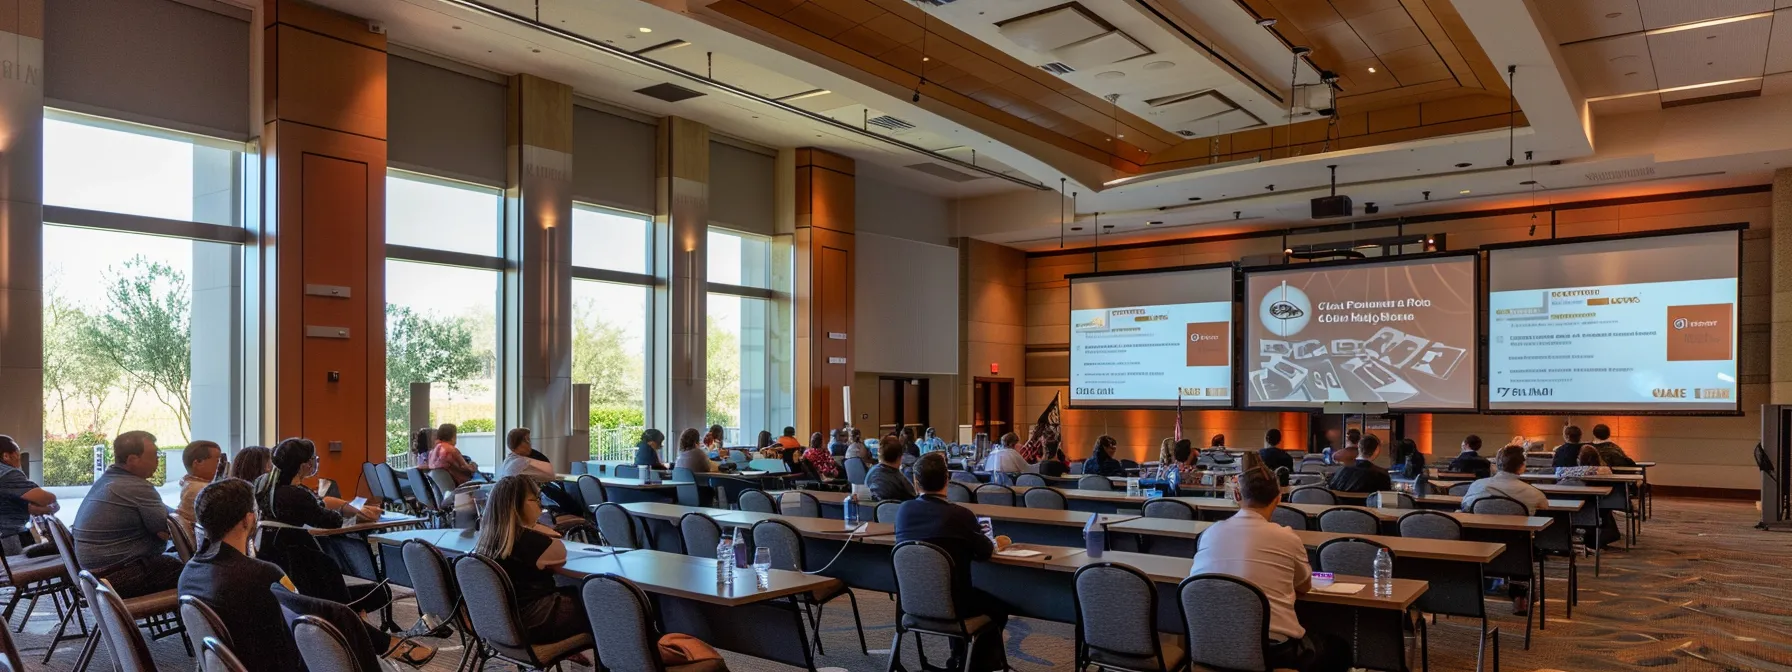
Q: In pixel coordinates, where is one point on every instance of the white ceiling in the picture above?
(1637, 55)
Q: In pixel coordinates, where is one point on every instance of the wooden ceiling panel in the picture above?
(907, 58)
(1028, 89)
(1420, 74)
(1396, 40)
(1382, 21)
(856, 11)
(813, 18)
(893, 27)
(1308, 15)
(940, 73)
(1410, 58)
(868, 41)
(1350, 8)
(774, 7)
(1366, 81)
(1339, 43)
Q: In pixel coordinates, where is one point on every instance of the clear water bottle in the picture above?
(1384, 573)
(851, 505)
(725, 560)
(1175, 479)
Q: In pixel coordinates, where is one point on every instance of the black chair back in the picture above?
(924, 581)
(800, 504)
(1430, 525)
(1312, 494)
(1289, 517)
(371, 477)
(998, 495)
(424, 491)
(491, 606)
(592, 492)
(1094, 482)
(200, 620)
(1116, 614)
(622, 624)
(1349, 555)
(784, 542)
(117, 626)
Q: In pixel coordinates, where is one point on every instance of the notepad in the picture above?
(1339, 588)
(1019, 553)
(358, 503)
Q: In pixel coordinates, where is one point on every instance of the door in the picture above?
(901, 402)
(992, 406)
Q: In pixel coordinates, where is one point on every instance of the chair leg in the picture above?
(970, 653)
(895, 653)
(1529, 616)
(1542, 596)
(87, 651)
(858, 624)
(1424, 645)
(75, 608)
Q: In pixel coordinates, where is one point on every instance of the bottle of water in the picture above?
(725, 560)
(851, 504)
(1175, 479)
(743, 556)
(1384, 573)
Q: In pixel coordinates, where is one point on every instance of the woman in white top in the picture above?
(1590, 464)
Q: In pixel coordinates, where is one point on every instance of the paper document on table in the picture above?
(1019, 553)
(358, 502)
(1339, 588)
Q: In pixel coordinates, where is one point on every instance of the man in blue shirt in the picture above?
(20, 499)
(121, 531)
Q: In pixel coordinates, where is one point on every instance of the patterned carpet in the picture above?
(1702, 591)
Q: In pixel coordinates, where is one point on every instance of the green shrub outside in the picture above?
(477, 426)
(68, 460)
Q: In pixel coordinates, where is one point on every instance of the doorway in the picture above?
(992, 406)
(901, 402)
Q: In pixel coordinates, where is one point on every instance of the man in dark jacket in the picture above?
(1470, 461)
(1364, 475)
(1568, 454)
(936, 520)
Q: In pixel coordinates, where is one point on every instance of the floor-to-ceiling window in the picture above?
(143, 302)
(748, 355)
(613, 323)
(443, 269)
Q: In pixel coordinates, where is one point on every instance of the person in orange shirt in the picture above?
(789, 440)
(447, 457)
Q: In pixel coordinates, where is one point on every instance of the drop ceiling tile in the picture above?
(1382, 21)
(1627, 105)
(1714, 53)
(1577, 20)
(1395, 40)
(1709, 91)
(1779, 45)
(1420, 74)
(856, 11)
(1664, 13)
(815, 19)
(1339, 43)
(1602, 67)
(1046, 31)
(1308, 15)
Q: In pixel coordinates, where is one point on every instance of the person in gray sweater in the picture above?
(885, 480)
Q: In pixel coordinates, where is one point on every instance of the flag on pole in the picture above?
(1049, 419)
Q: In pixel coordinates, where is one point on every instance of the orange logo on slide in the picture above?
(1701, 333)
(1209, 344)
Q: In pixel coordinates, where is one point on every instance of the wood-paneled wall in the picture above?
(1697, 452)
(824, 241)
(324, 153)
(992, 285)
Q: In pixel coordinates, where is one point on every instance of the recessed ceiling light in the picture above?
(1527, 183)
(1371, 69)
(1464, 165)
(1160, 65)
(1465, 192)
(1614, 15)
(645, 29)
(925, 59)
(1122, 135)
(1266, 22)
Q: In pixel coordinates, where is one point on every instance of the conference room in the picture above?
(852, 335)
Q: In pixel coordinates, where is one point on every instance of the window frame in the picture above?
(651, 281)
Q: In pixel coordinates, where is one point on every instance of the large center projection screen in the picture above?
(1401, 332)
(1627, 325)
(1139, 340)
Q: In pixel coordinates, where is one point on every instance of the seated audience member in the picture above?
(521, 461)
(1184, 459)
(20, 499)
(935, 520)
(1611, 453)
(839, 446)
(1587, 463)
(885, 480)
(1272, 455)
(1218, 442)
(1005, 459)
(1101, 460)
(713, 442)
(856, 439)
(1250, 547)
(1408, 461)
(447, 457)
(788, 439)
(765, 445)
(1470, 461)
(422, 442)
(529, 554)
(1034, 449)
(911, 450)
(691, 454)
(647, 450)
(1568, 454)
(121, 531)
(818, 456)
(1346, 455)
(1055, 464)
(248, 594)
(251, 463)
(283, 498)
(201, 460)
(930, 443)
(1506, 483)
(1364, 475)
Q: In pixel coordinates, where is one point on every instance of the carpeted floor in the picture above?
(1702, 591)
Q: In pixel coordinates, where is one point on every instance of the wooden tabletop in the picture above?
(667, 512)
(1484, 521)
(1172, 570)
(1434, 549)
(1557, 505)
(822, 528)
(1019, 514)
(386, 522)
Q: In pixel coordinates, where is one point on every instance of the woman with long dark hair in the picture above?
(284, 499)
(251, 463)
(691, 455)
(422, 441)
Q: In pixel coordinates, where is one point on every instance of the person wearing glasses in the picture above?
(529, 553)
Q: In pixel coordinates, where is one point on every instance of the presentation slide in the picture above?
(1400, 332)
(1621, 325)
(1137, 340)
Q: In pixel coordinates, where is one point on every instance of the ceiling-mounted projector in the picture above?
(1326, 207)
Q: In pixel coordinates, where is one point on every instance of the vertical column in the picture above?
(1781, 373)
(22, 225)
(824, 286)
(681, 223)
(322, 242)
(538, 210)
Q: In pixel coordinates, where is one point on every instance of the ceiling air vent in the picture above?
(889, 123)
(1057, 68)
(668, 92)
(943, 172)
(1624, 174)
(937, 3)
(1186, 133)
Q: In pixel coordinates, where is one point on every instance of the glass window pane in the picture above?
(125, 316)
(610, 240)
(442, 329)
(98, 168)
(442, 215)
(609, 351)
(739, 258)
